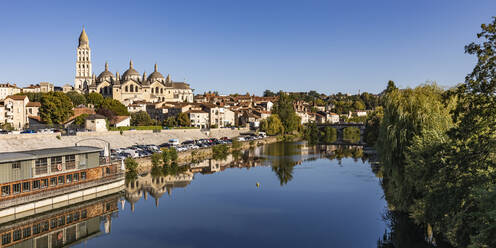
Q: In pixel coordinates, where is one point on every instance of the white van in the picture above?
(174, 142)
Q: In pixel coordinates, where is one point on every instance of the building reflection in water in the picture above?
(281, 157)
(64, 224)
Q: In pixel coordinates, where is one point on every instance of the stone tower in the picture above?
(83, 64)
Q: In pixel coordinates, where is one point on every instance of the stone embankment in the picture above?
(145, 164)
(24, 142)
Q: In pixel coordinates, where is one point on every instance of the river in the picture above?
(276, 195)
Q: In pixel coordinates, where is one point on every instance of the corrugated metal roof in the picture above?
(48, 152)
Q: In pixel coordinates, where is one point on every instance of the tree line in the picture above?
(438, 151)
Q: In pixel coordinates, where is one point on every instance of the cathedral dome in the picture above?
(156, 74)
(105, 74)
(131, 72)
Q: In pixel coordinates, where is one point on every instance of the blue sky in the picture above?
(247, 46)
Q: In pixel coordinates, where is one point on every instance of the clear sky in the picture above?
(247, 46)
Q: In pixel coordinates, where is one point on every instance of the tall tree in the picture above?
(94, 98)
(284, 109)
(140, 118)
(76, 98)
(55, 108)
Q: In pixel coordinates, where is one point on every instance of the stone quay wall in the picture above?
(25, 142)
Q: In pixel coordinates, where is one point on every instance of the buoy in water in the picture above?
(258, 185)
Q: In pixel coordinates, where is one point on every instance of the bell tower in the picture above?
(83, 64)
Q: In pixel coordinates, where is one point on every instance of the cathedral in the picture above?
(131, 86)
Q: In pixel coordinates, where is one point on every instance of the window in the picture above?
(76, 177)
(17, 188)
(16, 165)
(44, 226)
(68, 178)
(36, 228)
(6, 238)
(61, 179)
(56, 164)
(5, 190)
(107, 170)
(83, 175)
(44, 183)
(136, 88)
(83, 159)
(126, 89)
(61, 221)
(26, 232)
(53, 223)
(26, 186)
(70, 162)
(76, 216)
(16, 235)
(41, 166)
(53, 181)
(69, 219)
(36, 184)
(83, 214)
(132, 88)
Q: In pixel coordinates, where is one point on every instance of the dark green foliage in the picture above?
(272, 125)
(55, 108)
(115, 106)
(80, 120)
(268, 93)
(183, 120)
(140, 118)
(157, 159)
(173, 154)
(76, 98)
(220, 151)
(284, 109)
(314, 135)
(33, 96)
(94, 98)
(131, 164)
(351, 134)
(372, 126)
(170, 122)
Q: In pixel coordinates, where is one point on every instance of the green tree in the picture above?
(268, 93)
(165, 156)
(156, 159)
(358, 105)
(284, 109)
(372, 126)
(173, 154)
(76, 98)
(183, 120)
(55, 108)
(80, 120)
(275, 126)
(94, 98)
(330, 135)
(140, 118)
(131, 164)
(170, 122)
(115, 106)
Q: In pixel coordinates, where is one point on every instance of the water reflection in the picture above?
(63, 225)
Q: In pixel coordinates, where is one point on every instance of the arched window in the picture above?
(156, 89)
(152, 90)
(136, 89)
(126, 89)
(132, 88)
(161, 91)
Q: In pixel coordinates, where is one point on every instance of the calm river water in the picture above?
(306, 197)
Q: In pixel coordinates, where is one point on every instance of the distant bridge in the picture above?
(340, 126)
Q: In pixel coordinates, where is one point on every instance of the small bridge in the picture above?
(340, 126)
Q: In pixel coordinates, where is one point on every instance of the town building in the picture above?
(8, 90)
(131, 86)
(96, 123)
(17, 109)
(43, 87)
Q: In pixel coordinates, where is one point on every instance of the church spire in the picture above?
(156, 67)
(106, 66)
(168, 80)
(83, 38)
(130, 64)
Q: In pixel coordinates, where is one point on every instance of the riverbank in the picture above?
(24, 142)
(145, 164)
